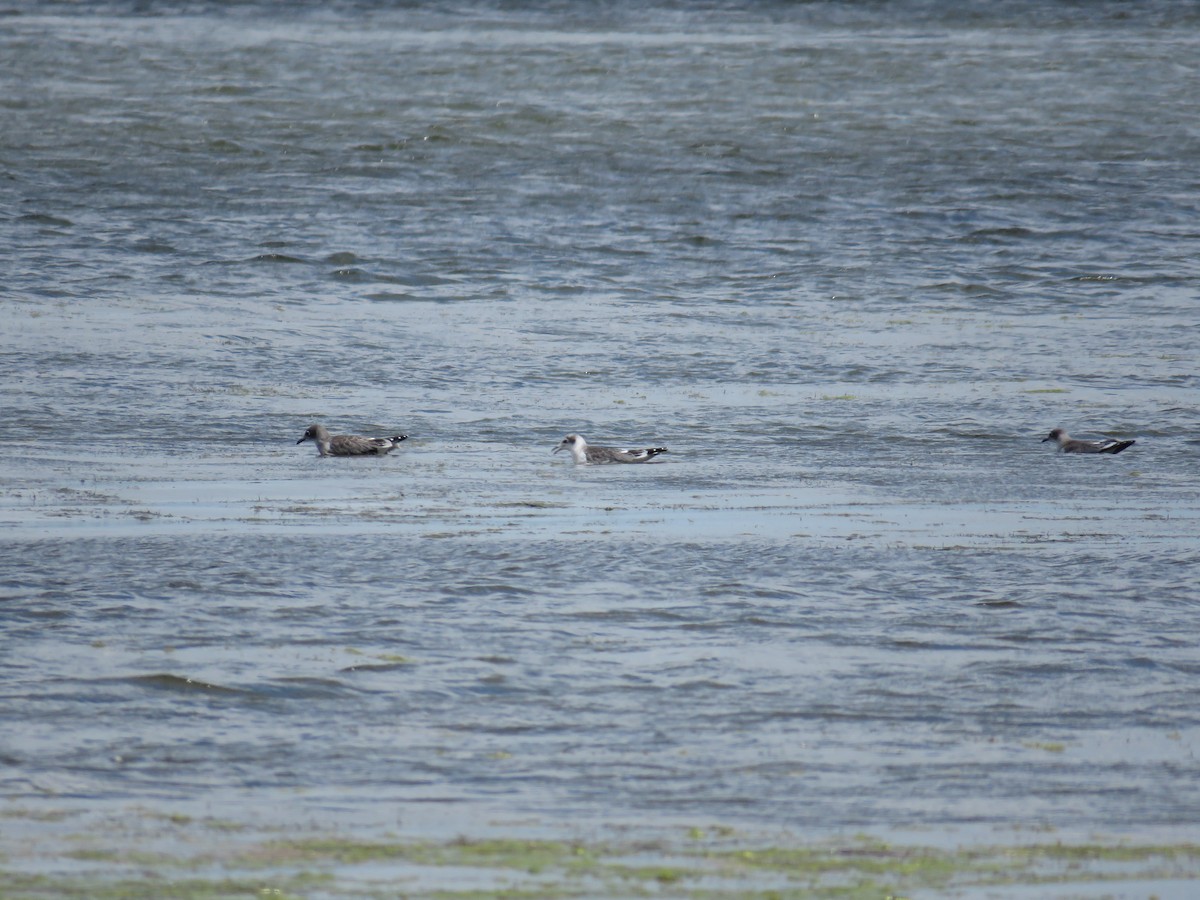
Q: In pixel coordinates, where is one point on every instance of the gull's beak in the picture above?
(1047, 439)
(559, 447)
(302, 440)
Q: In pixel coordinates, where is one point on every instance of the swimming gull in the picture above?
(349, 444)
(1068, 444)
(584, 454)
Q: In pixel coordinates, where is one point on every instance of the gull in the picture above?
(349, 444)
(584, 454)
(1068, 444)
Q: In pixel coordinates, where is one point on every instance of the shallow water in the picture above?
(849, 263)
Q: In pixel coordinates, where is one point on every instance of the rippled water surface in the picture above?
(848, 262)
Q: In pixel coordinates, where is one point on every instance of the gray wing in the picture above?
(356, 445)
(619, 455)
(604, 455)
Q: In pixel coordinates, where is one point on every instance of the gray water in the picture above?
(849, 262)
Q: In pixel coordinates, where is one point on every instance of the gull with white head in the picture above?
(595, 455)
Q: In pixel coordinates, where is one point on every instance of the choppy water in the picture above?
(849, 262)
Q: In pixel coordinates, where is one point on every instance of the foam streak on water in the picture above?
(848, 263)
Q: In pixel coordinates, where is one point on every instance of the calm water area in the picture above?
(849, 262)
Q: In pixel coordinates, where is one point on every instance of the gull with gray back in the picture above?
(349, 444)
(1068, 444)
(584, 454)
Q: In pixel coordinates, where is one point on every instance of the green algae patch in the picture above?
(871, 870)
(202, 860)
(1114, 853)
(862, 868)
(1048, 746)
(42, 887)
(531, 856)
